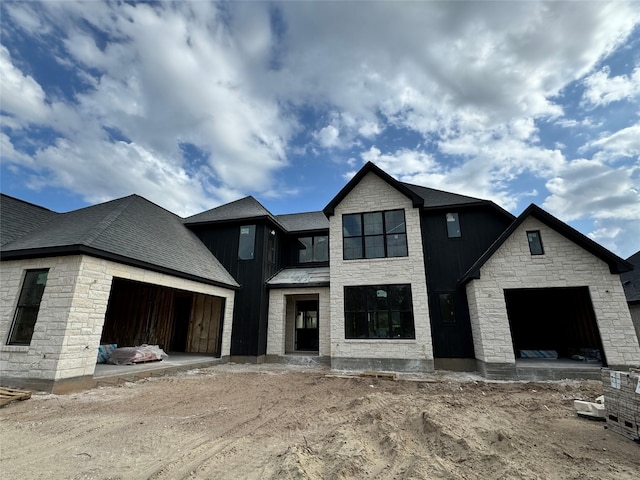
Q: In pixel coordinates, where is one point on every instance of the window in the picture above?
(447, 312)
(313, 249)
(535, 243)
(374, 235)
(271, 248)
(28, 307)
(378, 311)
(247, 242)
(453, 225)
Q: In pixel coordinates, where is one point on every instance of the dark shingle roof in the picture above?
(17, 218)
(301, 222)
(616, 264)
(130, 230)
(631, 280)
(245, 208)
(440, 198)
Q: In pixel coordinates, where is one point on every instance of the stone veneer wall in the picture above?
(635, 316)
(564, 264)
(71, 317)
(369, 195)
(278, 326)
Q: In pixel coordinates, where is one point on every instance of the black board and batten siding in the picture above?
(446, 260)
(249, 334)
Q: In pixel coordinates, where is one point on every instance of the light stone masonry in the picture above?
(369, 195)
(564, 264)
(281, 329)
(72, 313)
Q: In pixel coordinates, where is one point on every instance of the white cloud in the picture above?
(471, 81)
(590, 188)
(21, 95)
(623, 143)
(602, 89)
(328, 137)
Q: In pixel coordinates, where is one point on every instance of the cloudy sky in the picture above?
(194, 104)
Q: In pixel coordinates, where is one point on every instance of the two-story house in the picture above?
(389, 276)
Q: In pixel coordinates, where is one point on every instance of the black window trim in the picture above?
(384, 234)
(539, 241)
(456, 221)
(20, 306)
(313, 244)
(373, 310)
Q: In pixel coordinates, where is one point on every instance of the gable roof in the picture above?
(129, 230)
(369, 167)
(302, 222)
(631, 279)
(423, 197)
(17, 218)
(247, 208)
(616, 264)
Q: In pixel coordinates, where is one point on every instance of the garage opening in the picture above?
(554, 323)
(176, 320)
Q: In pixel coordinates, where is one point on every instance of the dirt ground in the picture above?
(261, 422)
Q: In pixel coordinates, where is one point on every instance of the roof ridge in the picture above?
(444, 191)
(28, 203)
(108, 219)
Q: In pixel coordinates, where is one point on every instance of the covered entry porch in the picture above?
(299, 317)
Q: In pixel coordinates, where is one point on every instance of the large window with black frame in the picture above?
(378, 311)
(374, 235)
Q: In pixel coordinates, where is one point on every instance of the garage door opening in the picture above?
(176, 320)
(554, 323)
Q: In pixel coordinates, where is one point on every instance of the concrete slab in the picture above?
(106, 374)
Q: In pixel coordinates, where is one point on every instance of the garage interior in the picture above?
(176, 320)
(560, 320)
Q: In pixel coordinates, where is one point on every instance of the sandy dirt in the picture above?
(262, 422)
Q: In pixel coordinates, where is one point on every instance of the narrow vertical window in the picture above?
(447, 312)
(453, 225)
(271, 248)
(247, 242)
(535, 243)
(24, 320)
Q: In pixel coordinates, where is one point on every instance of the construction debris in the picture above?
(8, 395)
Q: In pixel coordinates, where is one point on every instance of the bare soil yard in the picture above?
(261, 422)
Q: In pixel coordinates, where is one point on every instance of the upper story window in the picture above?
(453, 225)
(313, 249)
(246, 245)
(374, 235)
(271, 247)
(24, 320)
(535, 242)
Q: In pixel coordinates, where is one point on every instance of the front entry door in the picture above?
(307, 326)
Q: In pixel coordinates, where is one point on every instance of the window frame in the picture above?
(456, 231)
(447, 318)
(28, 300)
(241, 236)
(395, 314)
(368, 242)
(535, 242)
(314, 243)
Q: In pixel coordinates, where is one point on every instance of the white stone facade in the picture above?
(280, 330)
(369, 195)
(72, 313)
(564, 264)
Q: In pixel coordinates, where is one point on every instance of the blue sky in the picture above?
(195, 104)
